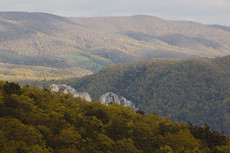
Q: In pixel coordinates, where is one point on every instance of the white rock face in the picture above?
(109, 97)
(68, 89)
(105, 99)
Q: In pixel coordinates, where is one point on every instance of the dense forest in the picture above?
(34, 120)
(196, 90)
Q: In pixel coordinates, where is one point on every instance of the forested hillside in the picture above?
(34, 120)
(86, 45)
(196, 90)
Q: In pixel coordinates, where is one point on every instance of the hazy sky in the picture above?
(204, 11)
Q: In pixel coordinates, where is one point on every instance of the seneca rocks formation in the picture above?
(109, 97)
(105, 99)
(68, 89)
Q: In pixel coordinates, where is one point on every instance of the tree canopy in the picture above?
(35, 120)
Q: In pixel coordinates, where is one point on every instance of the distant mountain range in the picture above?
(196, 90)
(31, 43)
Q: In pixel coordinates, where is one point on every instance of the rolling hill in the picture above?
(195, 90)
(90, 44)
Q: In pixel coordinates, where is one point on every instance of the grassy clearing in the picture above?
(11, 72)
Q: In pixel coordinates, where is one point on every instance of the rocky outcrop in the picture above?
(109, 97)
(68, 89)
(105, 99)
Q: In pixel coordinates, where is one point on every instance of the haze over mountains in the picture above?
(38, 42)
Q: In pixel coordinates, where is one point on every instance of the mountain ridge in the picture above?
(95, 43)
(195, 90)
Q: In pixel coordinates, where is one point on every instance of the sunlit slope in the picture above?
(25, 72)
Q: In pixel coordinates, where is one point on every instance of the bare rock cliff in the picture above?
(68, 89)
(109, 97)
